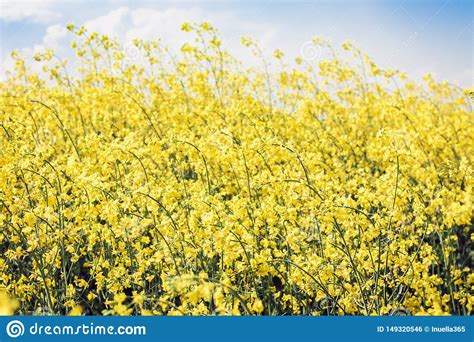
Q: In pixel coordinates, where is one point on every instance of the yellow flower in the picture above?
(8, 305)
(278, 54)
(77, 310)
(138, 298)
(257, 306)
(186, 27)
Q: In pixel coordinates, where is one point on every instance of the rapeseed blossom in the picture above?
(192, 184)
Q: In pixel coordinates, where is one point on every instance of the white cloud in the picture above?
(112, 23)
(126, 24)
(55, 36)
(151, 24)
(34, 10)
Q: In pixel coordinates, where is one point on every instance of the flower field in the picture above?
(194, 184)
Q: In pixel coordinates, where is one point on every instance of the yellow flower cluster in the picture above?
(192, 184)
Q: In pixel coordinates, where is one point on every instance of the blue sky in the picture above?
(414, 36)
